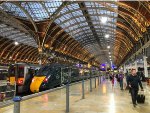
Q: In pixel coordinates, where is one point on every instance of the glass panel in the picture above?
(52, 6)
(17, 35)
(37, 10)
(13, 9)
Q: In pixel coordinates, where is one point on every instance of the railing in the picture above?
(18, 99)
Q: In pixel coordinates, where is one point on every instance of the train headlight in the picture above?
(45, 80)
(33, 80)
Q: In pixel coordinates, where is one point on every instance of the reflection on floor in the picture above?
(102, 99)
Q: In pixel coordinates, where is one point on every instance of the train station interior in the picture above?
(75, 56)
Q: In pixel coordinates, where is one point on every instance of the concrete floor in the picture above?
(103, 99)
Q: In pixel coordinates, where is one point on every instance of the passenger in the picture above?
(117, 77)
(134, 82)
(142, 76)
(139, 75)
(121, 76)
(124, 82)
(110, 77)
(127, 80)
(112, 80)
(115, 81)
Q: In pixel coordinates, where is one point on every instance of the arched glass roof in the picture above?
(89, 26)
(11, 29)
(83, 22)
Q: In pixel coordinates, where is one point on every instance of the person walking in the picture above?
(127, 80)
(121, 76)
(134, 82)
(112, 80)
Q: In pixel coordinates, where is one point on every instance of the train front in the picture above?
(40, 80)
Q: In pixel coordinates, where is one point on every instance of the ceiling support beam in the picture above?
(89, 21)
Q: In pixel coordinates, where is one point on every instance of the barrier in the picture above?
(95, 82)
(83, 96)
(67, 98)
(17, 99)
(90, 84)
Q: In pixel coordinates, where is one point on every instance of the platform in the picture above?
(102, 99)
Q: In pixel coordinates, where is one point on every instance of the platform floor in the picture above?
(102, 99)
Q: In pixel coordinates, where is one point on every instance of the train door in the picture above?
(57, 76)
(11, 74)
(64, 75)
(16, 76)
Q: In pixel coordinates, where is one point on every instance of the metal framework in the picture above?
(72, 28)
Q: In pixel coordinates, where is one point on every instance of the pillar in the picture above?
(145, 66)
(124, 68)
(136, 66)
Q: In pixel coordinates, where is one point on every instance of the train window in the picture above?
(74, 72)
(43, 71)
(3, 74)
(12, 71)
(48, 70)
(21, 72)
(57, 75)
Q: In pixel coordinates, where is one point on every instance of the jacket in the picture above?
(134, 81)
(121, 76)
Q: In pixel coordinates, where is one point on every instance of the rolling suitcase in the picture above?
(141, 98)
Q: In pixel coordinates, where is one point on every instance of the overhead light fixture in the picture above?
(107, 36)
(110, 59)
(109, 53)
(110, 56)
(108, 47)
(104, 20)
(16, 43)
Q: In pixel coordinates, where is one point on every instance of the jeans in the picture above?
(121, 84)
(134, 93)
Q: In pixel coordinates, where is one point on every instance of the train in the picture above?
(31, 79)
(19, 75)
(53, 75)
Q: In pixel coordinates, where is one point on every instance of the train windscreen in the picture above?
(43, 71)
(47, 70)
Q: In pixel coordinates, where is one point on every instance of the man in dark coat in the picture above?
(134, 82)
